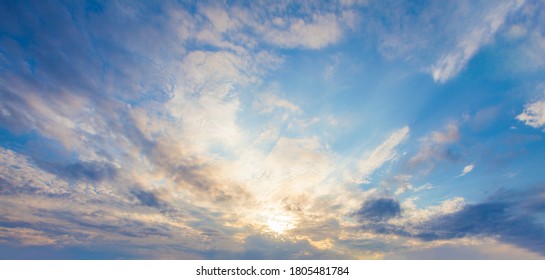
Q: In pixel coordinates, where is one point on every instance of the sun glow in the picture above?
(280, 223)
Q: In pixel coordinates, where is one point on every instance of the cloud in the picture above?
(487, 250)
(490, 219)
(92, 171)
(20, 176)
(452, 62)
(384, 152)
(269, 102)
(448, 65)
(315, 26)
(320, 31)
(136, 135)
(435, 146)
(449, 136)
(266, 247)
(510, 217)
(467, 169)
(381, 209)
(147, 198)
(24, 236)
(459, 30)
(527, 34)
(533, 115)
(133, 131)
(331, 67)
(468, 44)
(293, 167)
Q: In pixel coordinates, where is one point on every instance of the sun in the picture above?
(280, 223)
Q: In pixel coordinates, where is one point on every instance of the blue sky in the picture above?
(272, 130)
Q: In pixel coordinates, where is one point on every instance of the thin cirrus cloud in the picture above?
(406, 35)
(213, 131)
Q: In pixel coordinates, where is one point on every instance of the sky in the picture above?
(272, 129)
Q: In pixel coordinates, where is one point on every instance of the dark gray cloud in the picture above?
(90, 171)
(509, 221)
(512, 217)
(381, 209)
(147, 198)
(486, 218)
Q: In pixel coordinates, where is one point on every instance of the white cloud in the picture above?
(467, 45)
(219, 18)
(467, 169)
(426, 186)
(24, 176)
(268, 102)
(319, 32)
(296, 165)
(439, 37)
(313, 28)
(376, 158)
(269, 134)
(534, 114)
(412, 215)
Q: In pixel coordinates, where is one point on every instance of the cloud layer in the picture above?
(260, 131)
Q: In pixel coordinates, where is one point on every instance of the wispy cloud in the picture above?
(372, 160)
(467, 45)
(458, 34)
(435, 146)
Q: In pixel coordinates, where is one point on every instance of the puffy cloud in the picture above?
(534, 115)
